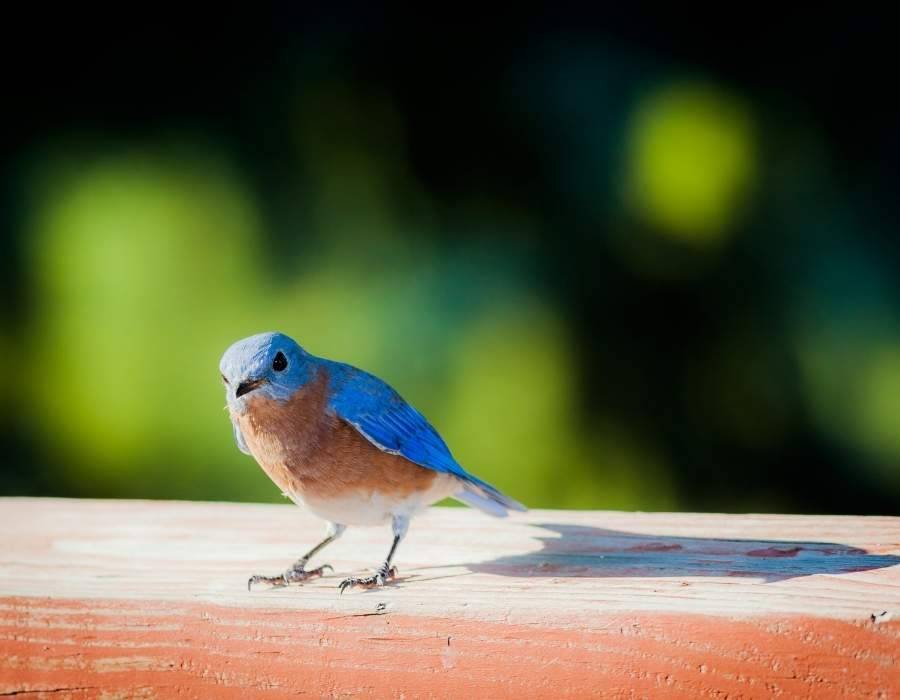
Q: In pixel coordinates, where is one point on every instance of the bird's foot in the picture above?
(378, 579)
(293, 575)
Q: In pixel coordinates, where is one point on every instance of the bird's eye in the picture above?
(279, 364)
(224, 379)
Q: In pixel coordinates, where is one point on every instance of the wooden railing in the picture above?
(149, 599)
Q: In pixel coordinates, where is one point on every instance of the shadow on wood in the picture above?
(583, 551)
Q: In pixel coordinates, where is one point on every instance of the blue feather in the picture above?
(382, 416)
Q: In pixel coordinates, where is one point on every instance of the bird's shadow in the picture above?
(582, 551)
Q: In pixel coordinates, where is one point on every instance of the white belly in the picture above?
(376, 508)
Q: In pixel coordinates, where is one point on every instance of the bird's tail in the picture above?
(486, 498)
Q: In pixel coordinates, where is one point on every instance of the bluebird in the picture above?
(343, 444)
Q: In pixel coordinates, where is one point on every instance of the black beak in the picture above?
(248, 386)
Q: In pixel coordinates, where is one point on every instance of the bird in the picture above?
(343, 444)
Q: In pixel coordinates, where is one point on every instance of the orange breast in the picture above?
(307, 450)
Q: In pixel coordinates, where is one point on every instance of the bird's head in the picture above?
(269, 364)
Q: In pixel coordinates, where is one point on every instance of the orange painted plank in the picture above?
(125, 599)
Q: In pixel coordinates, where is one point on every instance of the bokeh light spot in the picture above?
(691, 161)
(514, 363)
(851, 372)
(142, 267)
(879, 412)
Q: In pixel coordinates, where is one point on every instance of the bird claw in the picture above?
(378, 579)
(295, 575)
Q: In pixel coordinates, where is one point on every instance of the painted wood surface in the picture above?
(149, 599)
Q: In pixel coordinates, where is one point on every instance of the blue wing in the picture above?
(382, 416)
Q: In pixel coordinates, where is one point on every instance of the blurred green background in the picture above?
(620, 262)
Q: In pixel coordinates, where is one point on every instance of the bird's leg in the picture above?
(385, 572)
(298, 572)
(382, 574)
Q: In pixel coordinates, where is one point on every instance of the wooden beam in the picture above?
(149, 599)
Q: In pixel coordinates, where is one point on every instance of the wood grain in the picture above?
(149, 599)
